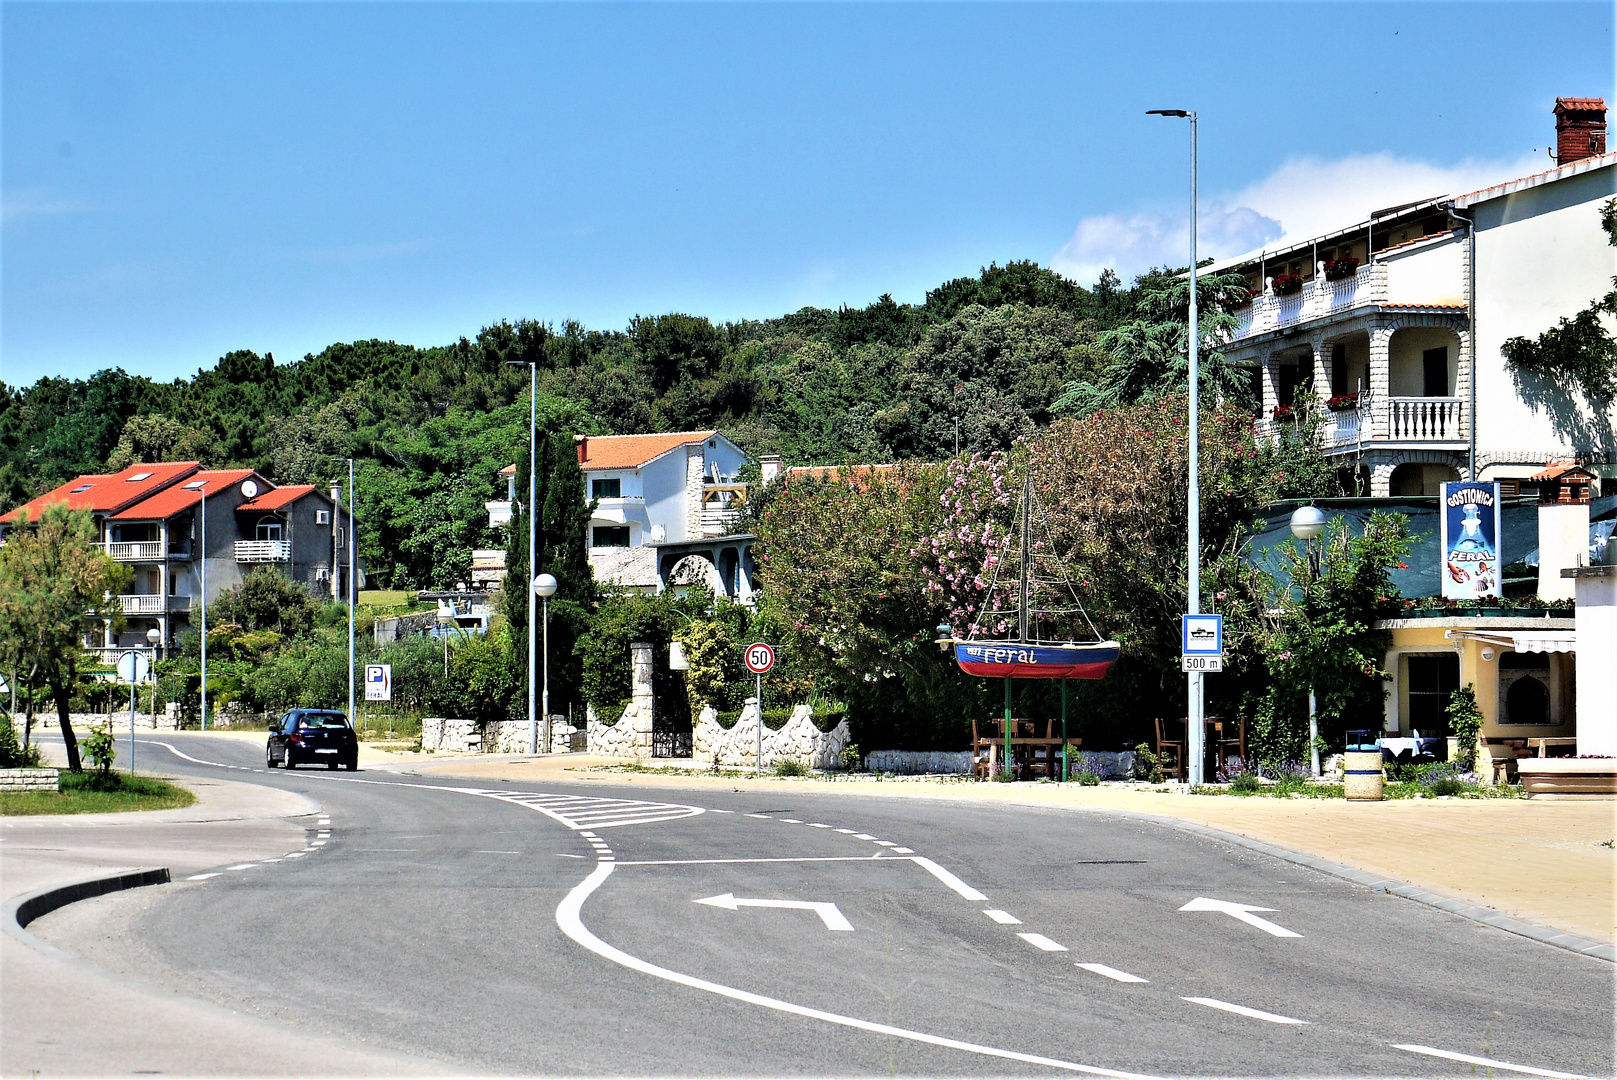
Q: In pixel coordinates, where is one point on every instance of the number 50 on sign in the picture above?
(759, 658)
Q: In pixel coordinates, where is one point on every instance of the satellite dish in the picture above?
(658, 534)
(249, 489)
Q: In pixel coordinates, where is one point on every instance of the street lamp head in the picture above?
(154, 636)
(1167, 112)
(544, 586)
(1308, 522)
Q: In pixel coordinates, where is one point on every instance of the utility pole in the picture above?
(533, 568)
(202, 561)
(353, 581)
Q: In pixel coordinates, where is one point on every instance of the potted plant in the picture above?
(1283, 412)
(1343, 402)
(1241, 296)
(1341, 269)
(1287, 284)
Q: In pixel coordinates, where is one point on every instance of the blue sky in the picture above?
(183, 180)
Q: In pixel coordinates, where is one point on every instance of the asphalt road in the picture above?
(506, 928)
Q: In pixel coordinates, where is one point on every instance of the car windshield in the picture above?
(324, 720)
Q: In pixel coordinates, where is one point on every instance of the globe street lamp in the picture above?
(544, 587)
(1307, 525)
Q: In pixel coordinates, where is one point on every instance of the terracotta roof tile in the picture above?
(177, 497)
(276, 498)
(633, 451)
(108, 493)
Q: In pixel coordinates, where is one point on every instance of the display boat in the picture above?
(1026, 653)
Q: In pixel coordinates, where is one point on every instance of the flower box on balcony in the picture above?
(1242, 298)
(1341, 269)
(1343, 402)
(1283, 412)
(1287, 284)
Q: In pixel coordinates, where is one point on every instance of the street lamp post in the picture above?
(1307, 523)
(544, 587)
(1196, 733)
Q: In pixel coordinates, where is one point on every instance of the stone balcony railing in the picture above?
(263, 551)
(1426, 419)
(1316, 299)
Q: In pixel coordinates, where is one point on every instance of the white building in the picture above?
(665, 507)
(1379, 318)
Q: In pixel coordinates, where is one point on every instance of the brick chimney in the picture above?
(1580, 129)
(583, 444)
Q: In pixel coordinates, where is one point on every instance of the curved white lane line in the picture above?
(1450, 1055)
(180, 753)
(568, 918)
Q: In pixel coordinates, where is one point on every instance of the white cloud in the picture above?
(20, 204)
(1303, 197)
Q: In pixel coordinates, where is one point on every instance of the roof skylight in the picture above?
(81, 488)
(138, 476)
(196, 485)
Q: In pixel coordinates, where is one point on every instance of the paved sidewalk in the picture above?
(1542, 861)
(61, 1016)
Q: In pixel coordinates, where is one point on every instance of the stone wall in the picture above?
(449, 736)
(29, 780)
(166, 721)
(913, 762)
(630, 737)
(798, 739)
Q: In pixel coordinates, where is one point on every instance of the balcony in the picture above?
(135, 550)
(1343, 429)
(1426, 419)
(499, 512)
(263, 551)
(721, 507)
(1317, 299)
(153, 603)
(110, 657)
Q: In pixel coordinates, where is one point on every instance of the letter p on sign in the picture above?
(760, 658)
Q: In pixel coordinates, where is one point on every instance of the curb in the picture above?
(25, 909)
(1499, 920)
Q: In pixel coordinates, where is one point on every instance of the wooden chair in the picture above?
(1226, 740)
(1171, 744)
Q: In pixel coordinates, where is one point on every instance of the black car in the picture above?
(312, 736)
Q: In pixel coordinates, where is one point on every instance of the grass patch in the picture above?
(94, 793)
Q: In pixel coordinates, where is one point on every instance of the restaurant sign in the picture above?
(1470, 540)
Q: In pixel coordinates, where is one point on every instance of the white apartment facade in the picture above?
(1387, 344)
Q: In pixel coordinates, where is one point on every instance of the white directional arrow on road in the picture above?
(828, 912)
(1242, 912)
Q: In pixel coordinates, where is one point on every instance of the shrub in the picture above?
(98, 747)
(1087, 779)
(1465, 720)
(1446, 778)
(1245, 783)
(728, 718)
(775, 719)
(13, 756)
(1089, 769)
(1288, 776)
(851, 758)
(1149, 763)
(790, 767)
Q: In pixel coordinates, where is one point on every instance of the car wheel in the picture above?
(269, 759)
(332, 765)
(286, 760)
(351, 764)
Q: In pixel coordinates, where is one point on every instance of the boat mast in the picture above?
(1027, 499)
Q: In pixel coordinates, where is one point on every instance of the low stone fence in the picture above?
(29, 780)
(449, 736)
(166, 721)
(798, 740)
(916, 762)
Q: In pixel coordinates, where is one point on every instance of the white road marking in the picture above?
(845, 832)
(762, 817)
(564, 855)
(1242, 912)
(316, 843)
(1431, 1051)
(480, 851)
(828, 912)
(294, 855)
(804, 858)
(903, 851)
(201, 877)
(1004, 918)
(889, 843)
(947, 878)
(1242, 1010)
(712, 811)
(1112, 973)
(180, 753)
(1039, 941)
(821, 825)
(242, 866)
(567, 917)
(794, 821)
(863, 836)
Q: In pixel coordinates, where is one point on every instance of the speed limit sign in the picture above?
(760, 658)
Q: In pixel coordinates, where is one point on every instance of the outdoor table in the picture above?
(1393, 748)
(1543, 745)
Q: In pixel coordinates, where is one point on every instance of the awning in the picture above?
(1523, 641)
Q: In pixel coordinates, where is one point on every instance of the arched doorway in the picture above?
(1415, 478)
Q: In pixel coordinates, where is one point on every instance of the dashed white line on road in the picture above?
(863, 836)
(1039, 941)
(1432, 1051)
(564, 855)
(845, 832)
(903, 851)
(481, 851)
(1004, 918)
(818, 825)
(886, 843)
(960, 887)
(316, 843)
(761, 817)
(242, 866)
(201, 877)
(1112, 973)
(791, 821)
(1242, 1010)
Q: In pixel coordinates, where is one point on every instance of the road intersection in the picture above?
(593, 929)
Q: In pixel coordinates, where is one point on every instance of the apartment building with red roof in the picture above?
(1392, 329)
(151, 517)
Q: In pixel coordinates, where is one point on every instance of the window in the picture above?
(610, 536)
(82, 488)
(1435, 372)
(1524, 688)
(269, 529)
(341, 539)
(607, 488)
(322, 517)
(1431, 680)
(196, 485)
(138, 477)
